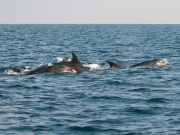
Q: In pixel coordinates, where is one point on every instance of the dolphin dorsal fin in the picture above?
(113, 64)
(75, 58)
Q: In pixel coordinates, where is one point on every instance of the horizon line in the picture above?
(90, 23)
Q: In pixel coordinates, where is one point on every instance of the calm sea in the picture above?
(132, 101)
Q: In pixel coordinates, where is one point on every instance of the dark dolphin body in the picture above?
(68, 65)
(114, 65)
(73, 66)
(155, 62)
(16, 70)
(147, 63)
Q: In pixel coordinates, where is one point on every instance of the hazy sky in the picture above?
(89, 11)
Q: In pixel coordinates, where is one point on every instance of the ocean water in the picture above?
(131, 101)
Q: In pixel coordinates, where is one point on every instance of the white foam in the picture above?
(10, 72)
(93, 67)
(59, 59)
(165, 60)
(28, 68)
(22, 71)
(50, 64)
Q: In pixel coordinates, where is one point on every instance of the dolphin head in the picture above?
(160, 63)
(16, 70)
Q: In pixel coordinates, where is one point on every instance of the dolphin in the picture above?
(72, 65)
(17, 70)
(114, 65)
(155, 62)
(69, 65)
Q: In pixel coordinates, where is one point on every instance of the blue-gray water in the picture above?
(117, 101)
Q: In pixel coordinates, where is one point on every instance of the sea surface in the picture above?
(103, 101)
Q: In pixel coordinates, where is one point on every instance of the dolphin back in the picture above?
(114, 65)
(146, 63)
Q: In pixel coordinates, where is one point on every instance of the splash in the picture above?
(59, 59)
(50, 64)
(11, 72)
(162, 63)
(18, 71)
(92, 67)
(166, 61)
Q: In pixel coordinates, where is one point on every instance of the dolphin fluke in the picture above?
(114, 65)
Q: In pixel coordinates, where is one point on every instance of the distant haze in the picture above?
(89, 11)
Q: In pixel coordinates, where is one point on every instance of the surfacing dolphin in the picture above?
(114, 65)
(68, 65)
(155, 62)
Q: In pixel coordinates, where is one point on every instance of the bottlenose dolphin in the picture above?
(68, 65)
(72, 65)
(155, 62)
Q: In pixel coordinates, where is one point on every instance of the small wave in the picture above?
(84, 128)
(156, 100)
(39, 128)
(104, 97)
(115, 82)
(139, 111)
